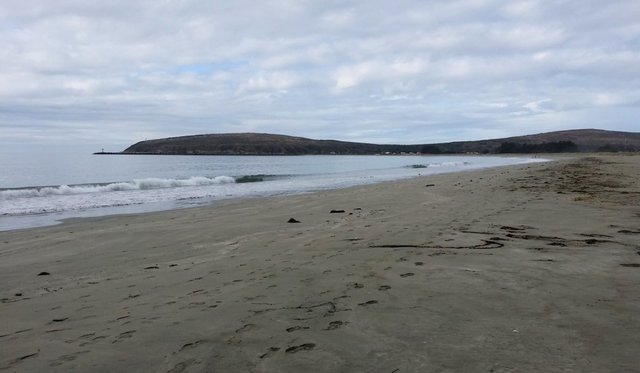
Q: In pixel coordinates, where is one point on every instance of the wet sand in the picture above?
(521, 268)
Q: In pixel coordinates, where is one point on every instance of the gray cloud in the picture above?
(407, 71)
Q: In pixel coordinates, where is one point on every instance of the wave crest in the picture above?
(138, 184)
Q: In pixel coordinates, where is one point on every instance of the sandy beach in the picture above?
(529, 268)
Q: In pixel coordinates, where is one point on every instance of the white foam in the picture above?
(448, 164)
(139, 184)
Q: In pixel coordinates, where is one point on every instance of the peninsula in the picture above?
(583, 140)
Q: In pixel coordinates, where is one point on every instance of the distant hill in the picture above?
(584, 140)
(259, 144)
(587, 140)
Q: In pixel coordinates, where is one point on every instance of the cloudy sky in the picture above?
(114, 72)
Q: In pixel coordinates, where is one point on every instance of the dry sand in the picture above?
(530, 268)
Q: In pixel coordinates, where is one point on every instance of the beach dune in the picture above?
(522, 268)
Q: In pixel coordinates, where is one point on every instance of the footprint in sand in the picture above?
(355, 285)
(368, 303)
(297, 327)
(269, 353)
(20, 359)
(190, 345)
(408, 274)
(384, 287)
(245, 327)
(335, 325)
(90, 339)
(302, 347)
(66, 358)
(181, 366)
(125, 335)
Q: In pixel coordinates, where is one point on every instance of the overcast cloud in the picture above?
(115, 72)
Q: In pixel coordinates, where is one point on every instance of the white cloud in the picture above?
(523, 9)
(539, 106)
(386, 71)
(275, 81)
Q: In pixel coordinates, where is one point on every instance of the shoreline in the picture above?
(530, 267)
(28, 221)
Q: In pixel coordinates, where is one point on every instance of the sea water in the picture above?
(40, 188)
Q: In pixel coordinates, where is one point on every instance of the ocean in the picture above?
(41, 188)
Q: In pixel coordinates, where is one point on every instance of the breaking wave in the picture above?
(440, 164)
(138, 184)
